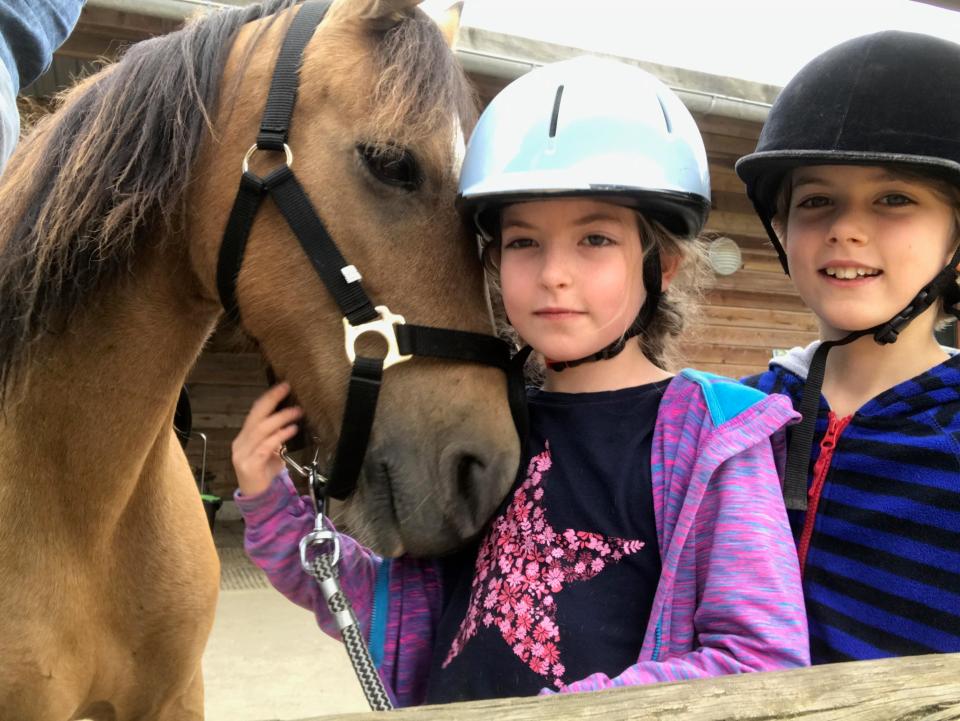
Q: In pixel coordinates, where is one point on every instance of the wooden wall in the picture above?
(751, 313)
(222, 386)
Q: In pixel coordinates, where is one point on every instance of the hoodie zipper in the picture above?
(828, 445)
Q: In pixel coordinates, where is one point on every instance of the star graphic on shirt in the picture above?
(522, 564)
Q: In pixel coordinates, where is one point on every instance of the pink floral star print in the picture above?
(522, 564)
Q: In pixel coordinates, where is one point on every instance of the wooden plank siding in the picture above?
(223, 385)
(748, 315)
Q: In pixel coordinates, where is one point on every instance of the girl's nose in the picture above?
(555, 271)
(849, 225)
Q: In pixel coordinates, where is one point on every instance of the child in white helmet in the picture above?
(645, 539)
(857, 179)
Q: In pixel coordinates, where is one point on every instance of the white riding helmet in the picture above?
(589, 126)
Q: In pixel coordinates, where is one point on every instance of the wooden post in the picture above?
(917, 687)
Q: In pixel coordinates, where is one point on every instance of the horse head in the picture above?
(376, 140)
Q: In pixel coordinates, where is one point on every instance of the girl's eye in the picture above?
(518, 243)
(814, 201)
(596, 240)
(895, 199)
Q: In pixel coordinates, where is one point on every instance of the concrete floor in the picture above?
(266, 658)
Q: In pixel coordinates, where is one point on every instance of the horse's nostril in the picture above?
(476, 483)
(469, 473)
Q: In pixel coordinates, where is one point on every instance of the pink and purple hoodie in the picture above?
(729, 598)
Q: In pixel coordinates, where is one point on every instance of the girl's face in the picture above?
(861, 242)
(571, 274)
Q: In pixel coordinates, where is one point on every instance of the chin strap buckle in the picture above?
(890, 330)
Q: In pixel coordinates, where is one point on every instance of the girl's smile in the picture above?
(844, 270)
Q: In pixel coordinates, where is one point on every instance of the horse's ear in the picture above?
(383, 14)
(450, 23)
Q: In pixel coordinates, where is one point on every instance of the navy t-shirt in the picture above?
(561, 584)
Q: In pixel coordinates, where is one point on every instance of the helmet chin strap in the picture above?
(653, 283)
(944, 285)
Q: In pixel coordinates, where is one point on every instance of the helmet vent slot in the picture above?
(556, 111)
(666, 115)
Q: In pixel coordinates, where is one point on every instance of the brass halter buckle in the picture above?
(386, 327)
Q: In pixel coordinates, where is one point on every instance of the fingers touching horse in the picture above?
(112, 216)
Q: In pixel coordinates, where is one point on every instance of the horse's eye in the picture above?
(391, 165)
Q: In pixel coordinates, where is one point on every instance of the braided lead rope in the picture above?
(323, 570)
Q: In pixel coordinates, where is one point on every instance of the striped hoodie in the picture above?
(728, 599)
(880, 542)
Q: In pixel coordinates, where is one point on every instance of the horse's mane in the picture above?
(421, 85)
(117, 158)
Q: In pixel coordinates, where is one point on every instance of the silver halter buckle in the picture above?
(386, 327)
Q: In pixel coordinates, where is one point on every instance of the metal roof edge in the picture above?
(507, 57)
(166, 9)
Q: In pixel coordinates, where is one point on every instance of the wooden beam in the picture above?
(745, 296)
(918, 687)
(764, 318)
(103, 33)
(737, 223)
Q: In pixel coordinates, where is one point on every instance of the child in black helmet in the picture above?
(856, 178)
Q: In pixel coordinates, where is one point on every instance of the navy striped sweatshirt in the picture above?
(880, 541)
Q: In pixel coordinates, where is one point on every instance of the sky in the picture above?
(761, 40)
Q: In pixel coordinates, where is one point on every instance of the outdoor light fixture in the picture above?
(725, 257)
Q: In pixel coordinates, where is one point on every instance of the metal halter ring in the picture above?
(318, 538)
(254, 148)
(386, 327)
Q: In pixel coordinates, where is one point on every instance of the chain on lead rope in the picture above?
(319, 557)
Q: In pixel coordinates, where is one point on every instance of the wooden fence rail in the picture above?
(902, 689)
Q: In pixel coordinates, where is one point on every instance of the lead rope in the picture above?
(325, 572)
(321, 565)
(319, 557)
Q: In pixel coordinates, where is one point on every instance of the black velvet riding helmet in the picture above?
(888, 98)
(891, 98)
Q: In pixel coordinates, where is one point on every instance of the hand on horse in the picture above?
(255, 455)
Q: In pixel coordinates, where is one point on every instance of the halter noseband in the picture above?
(343, 281)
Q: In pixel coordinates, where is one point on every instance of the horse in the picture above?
(113, 211)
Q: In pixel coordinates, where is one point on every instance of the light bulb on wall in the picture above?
(725, 257)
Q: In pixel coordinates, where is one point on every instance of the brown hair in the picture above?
(674, 315)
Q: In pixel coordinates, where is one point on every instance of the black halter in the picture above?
(343, 280)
